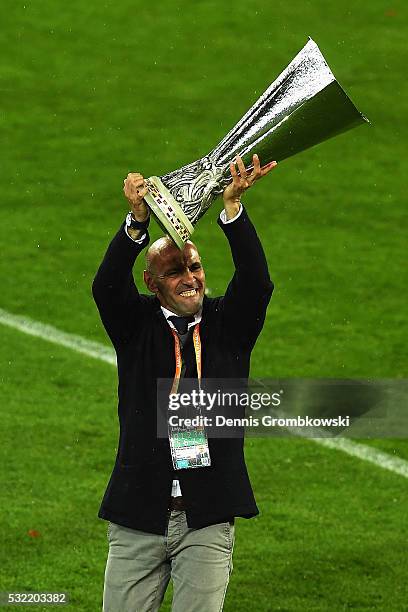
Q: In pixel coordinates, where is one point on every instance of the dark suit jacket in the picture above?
(139, 489)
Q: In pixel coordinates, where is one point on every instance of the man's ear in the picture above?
(149, 282)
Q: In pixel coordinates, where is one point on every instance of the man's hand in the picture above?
(241, 182)
(135, 189)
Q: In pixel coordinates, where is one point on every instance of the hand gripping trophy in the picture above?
(304, 106)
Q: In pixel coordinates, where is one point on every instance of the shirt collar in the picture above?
(168, 313)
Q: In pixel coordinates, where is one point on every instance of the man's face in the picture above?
(177, 278)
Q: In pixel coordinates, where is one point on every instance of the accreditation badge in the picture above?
(189, 447)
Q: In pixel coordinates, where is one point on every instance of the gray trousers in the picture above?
(140, 565)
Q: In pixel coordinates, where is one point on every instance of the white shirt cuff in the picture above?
(223, 215)
(138, 240)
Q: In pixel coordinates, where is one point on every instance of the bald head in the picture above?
(161, 250)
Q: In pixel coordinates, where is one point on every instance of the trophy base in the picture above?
(168, 212)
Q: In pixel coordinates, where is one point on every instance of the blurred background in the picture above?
(92, 91)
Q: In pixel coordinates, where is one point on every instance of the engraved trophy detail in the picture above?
(304, 106)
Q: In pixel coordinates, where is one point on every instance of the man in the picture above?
(165, 522)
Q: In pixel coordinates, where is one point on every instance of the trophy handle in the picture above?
(169, 214)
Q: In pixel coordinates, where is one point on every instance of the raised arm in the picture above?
(246, 299)
(115, 293)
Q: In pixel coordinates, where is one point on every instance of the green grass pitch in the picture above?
(91, 91)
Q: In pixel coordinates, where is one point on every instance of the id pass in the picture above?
(189, 448)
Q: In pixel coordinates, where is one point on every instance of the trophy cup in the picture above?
(305, 105)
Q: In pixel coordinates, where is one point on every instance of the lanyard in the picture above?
(177, 354)
(188, 445)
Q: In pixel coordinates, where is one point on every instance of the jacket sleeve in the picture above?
(250, 289)
(119, 303)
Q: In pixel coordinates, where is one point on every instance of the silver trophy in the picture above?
(302, 107)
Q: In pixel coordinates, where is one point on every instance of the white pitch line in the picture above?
(99, 351)
(367, 453)
(54, 335)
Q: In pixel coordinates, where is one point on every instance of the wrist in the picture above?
(137, 222)
(141, 218)
(135, 228)
(232, 207)
(140, 211)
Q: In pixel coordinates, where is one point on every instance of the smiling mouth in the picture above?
(189, 293)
